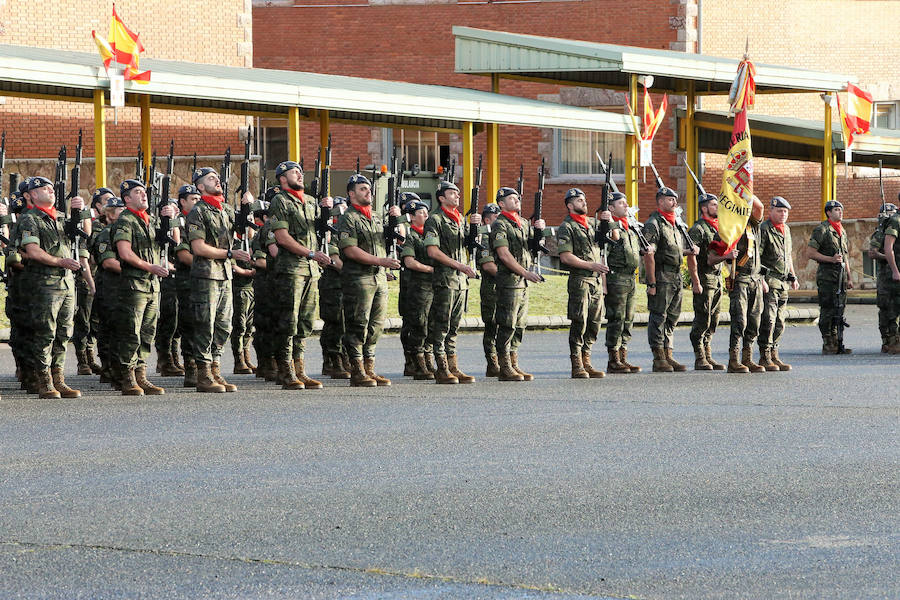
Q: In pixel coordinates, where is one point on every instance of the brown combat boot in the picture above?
(84, 367)
(493, 367)
(369, 365)
(589, 368)
(700, 362)
(240, 365)
(614, 364)
(660, 364)
(166, 366)
(116, 375)
(894, 347)
(765, 359)
(782, 366)
(45, 387)
(422, 372)
(429, 362)
(129, 384)
(176, 358)
(190, 373)
(140, 376)
(59, 382)
(514, 361)
(747, 360)
(300, 371)
(578, 371)
(247, 360)
(409, 364)
(30, 381)
(443, 374)
(734, 361)
(217, 377)
(454, 368)
(358, 375)
(327, 364)
(96, 367)
(829, 345)
(507, 373)
(623, 358)
(337, 368)
(676, 366)
(272, 370)
(715, 365)
(287, 376)
(205, 381)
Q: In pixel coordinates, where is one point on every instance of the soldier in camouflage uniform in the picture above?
(50, 284)
(188, 196)
(416, 293)
(487, 270)
(169, 308)
(509, 243)
(133, 236)
(887, 318)
(586, 263)
(706, 283)
(829, 246)
(334, 361)
(243, 300)
(892, 255)
(445, 242)
(103, 256)
(363, 280)
(775, 249)
(623, 258)
(84, 334)
(664, 283)
(16, 298)
(265, 249)
(292, 218)
(210, 227)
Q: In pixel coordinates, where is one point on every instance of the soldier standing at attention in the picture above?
(445, 242)
(169, 307)
(775, 249)
(416, 292)
(706, 283)
(243, 301)
(85, 331)
(887, 318)
(49, 279)
(623, 259)
(292, 217)
(583, 258)
(829, 246)
(892, 254)
(265, 250)
(210, 226)
(331, 310)
(363, 280)
(134, 241)
(663, 269)
(188, 195)
(487, 268)
(17, 301)
(509, 242)
(103, 255)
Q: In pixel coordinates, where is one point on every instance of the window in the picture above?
(885, 115)
(424, 148)
(575, 151)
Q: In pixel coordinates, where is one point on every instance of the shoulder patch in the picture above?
(193, 227)
(101, 247)
(345, 235)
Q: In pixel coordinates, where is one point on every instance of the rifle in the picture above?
(357, 159)
(263, 169)
(139, 164)
(323, 226)
(472, 243)
(520, 184)
(193, 167)
(244, 218)
(391, 235)
(72, 227)
(679, 222)
(602, 232)
(59, 181)
(536, 243)
(164, 233)
(840, 304)
(694, 177)
(152, 190)
(225, 173)
(632, 211)
(314, 184)
(880, 180)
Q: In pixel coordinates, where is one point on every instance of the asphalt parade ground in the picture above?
(692, 485)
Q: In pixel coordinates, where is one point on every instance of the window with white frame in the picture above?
(885, 115)
(575, 152)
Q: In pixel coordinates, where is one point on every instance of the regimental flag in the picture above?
(742, 94)
(855, 120)
(736, 198)
(106, 51)
(126, 47)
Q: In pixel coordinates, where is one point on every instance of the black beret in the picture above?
(187, 190)
(504, 192)
(664, 191)
(573, 193)
(100, 192)
(36, 182)
(130, 184)
(114, 202)
(490, 209)
(704, 198)
(202, 172)
(286, 166)
(445, 185)
(779, 202)
(832, 204)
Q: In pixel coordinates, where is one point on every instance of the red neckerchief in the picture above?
(295, 194)
(419, 230)
(453, 213)
(365, 210)
(670, 217)
(779, 227)
(514, 217)
(142, 214)
(184, 212)
(839, 227)
(714, 223)
(214, 201)
(258, 222)
(580, 219)
(623, 221)
(50, 211)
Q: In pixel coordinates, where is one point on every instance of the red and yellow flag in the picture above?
(856, 119)
(106, 51)
(652, 120)
(736, 198)
(742, 94)
(126, 47)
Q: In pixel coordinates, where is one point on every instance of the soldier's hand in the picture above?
(651, 291)
(837, 258)
(795, 285)
(394, 211)
(599, 268)
(696, 287)
(765, 287)
(695, 249)
(849, 284)
(475, 219)
(322, 258)
(540, 224)
(651, 249)
(731, 255)
(390, 263)
(70, 264)
(606, 216)
(468, 272)
(159, 271)
(247, 198)
(871, 253)
(241, 255)
(533, 277)
(167, 211)
(327, 202)
(77, 202)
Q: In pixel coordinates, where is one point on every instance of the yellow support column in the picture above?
(467, 163)
(690, 146)
(827, 159)
(493, 148)
(294, 134)
(145, 131)
(323, 139)
(631, 149)
(99, 140)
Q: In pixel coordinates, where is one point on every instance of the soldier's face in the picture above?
(489, 219)
(511, 203)
(136, 199)
(836, 214)
(619, 208)
(293, 179)
(42, 196)
(100, 202)
(210, 184)
(450, 198)
(666, 203)
(361, 194)
(712, 209)
(778, 215)
(188, 202)
(419, 217)
(578, 205)
(113, 213)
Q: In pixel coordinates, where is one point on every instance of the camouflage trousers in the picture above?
(242, 321)
(831, 308)
(706, 313)
(296, 298)
(620, 300)
(443, 319)
(263, 319)
(585, 309)
(211, 305)
(167, 324)
(17, 311)
(52, 309)
(488, 314)
(746, 302)
(185, 315)
(512, 315)
(136, 314)
(82, 335)
(365, 308)
(665, 308)
(103, 314)
(331, 311)
(888, 299)
(774, 304)
(418, 301)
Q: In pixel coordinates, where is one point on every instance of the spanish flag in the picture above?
(856, 120)
(126, 46)
(736, 198)
(106, 51)
(652, 120)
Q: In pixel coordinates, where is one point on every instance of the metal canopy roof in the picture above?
(480, 51)
(190, 86)
(793, 139)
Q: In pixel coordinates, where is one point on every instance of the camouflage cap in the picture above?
(780, 202)
(130, 184)
(201, 173)
(34, 183)
(284, 167)
(504, 192)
